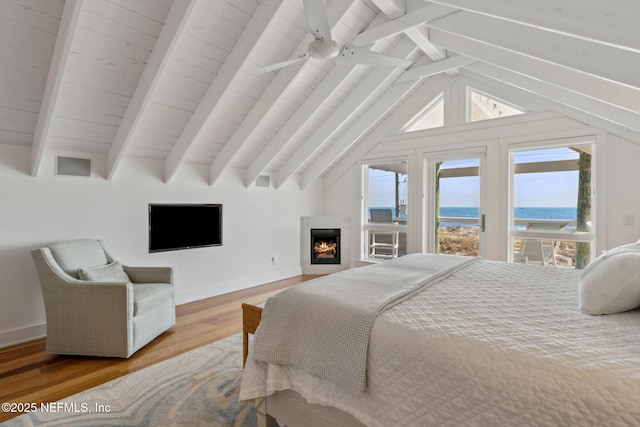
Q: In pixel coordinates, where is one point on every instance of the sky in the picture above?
(545, 189)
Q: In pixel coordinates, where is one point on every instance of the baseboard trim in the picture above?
(217, 289)
(18, 336)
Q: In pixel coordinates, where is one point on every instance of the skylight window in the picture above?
(431, 117)
(484, 107)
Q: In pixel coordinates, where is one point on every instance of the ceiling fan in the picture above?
(324, 48)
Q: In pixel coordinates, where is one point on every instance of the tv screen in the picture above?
(184, 226)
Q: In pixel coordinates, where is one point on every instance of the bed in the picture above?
(467, 342)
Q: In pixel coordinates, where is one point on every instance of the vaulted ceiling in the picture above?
(179, 80)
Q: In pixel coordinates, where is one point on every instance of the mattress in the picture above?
(492, 344)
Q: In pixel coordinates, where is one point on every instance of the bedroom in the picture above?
(86, 90)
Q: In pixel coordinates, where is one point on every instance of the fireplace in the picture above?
(325, 246)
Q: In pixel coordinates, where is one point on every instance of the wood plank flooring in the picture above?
(29, 375)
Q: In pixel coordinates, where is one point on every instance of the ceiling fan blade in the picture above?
(317, 20)
(353, 55)
(279, 65)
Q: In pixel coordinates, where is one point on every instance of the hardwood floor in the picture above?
(29, 375)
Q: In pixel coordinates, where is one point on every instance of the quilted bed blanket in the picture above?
(338, 311)
(491, 344)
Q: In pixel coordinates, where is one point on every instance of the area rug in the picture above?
(197, 388)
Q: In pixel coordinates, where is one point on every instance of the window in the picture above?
(385, 210)
(481, 106)
(431, 117)
(551, 203)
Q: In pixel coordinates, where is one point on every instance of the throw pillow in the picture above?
(105, 273)
(611, 283)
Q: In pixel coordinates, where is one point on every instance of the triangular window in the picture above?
(432, 116)
(484, 107)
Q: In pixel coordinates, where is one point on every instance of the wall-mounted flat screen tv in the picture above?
(184, 226)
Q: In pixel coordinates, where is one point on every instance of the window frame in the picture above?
(539, 144)
(367, 227)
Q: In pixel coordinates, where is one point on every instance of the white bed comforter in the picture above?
(495, 344)
(338, 311)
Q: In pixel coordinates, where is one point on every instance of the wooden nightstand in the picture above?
(251, 316)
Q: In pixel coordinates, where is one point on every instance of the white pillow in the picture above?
(105, 273)
(611, 283)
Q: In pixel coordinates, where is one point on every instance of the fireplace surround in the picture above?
(329, 231)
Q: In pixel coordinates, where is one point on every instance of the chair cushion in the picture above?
(74, 254)
(105, 273)
(147, 296)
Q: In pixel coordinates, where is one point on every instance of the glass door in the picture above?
(455, 216)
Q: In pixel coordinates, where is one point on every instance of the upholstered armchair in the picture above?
(97, 307)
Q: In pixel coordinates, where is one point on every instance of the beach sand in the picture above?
(461, 240)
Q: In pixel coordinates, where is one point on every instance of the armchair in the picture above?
(97, 307)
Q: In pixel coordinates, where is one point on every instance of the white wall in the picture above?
(258, 223)
(622, 191)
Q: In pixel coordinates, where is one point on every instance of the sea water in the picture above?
(568, 214)
(561, 213)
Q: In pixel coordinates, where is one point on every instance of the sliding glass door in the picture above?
(454, 212)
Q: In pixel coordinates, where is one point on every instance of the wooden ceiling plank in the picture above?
(315, 100)
(600, 89)
(312, 103)
(171, 30)
(283, 80)
(607, 62)
(59, 62)
(379, 78)
(232, 69)
(611, 22)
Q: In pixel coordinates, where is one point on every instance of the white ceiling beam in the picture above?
(434, 68)
(402, 24)
(419, 35)
(430, 89)
(549, 104)
(379, 78)
(562, 96)
(283, 80)
(233, 67)
(611, 22)
(59, 62)
(171, 30)
(597, 88)
(393, 5)
(586, 56)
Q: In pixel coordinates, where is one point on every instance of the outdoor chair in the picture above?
(97, 307)
(383, 244)
(542, 251)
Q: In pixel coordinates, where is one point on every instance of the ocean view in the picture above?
(568, 214)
